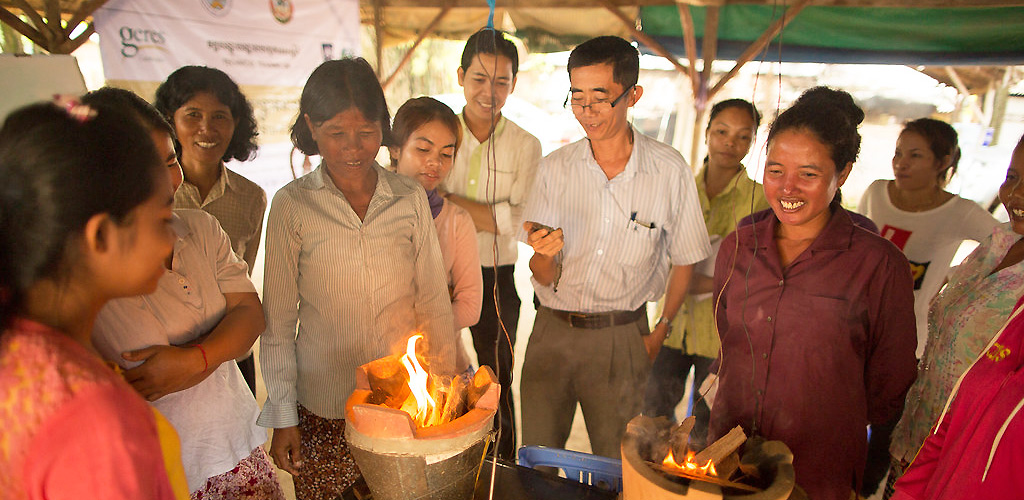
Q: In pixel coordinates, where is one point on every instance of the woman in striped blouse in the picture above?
(352, 268)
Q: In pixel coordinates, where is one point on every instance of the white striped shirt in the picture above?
(503, 181)
(339, 292)
(621, 235)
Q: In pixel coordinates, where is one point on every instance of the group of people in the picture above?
(126, 247)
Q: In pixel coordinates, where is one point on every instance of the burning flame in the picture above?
(425, 406)
(690, 466)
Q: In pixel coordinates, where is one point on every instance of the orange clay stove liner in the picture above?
(399, 460)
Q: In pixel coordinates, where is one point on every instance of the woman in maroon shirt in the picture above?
(815, 314)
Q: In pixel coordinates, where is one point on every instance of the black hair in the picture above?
(336, 86)
(831, 115)
(942, 141)
(490, 41)
(738, 104)
(187, 81)
(418, 112)
(621, 54)
(129, 102)
(58, 171)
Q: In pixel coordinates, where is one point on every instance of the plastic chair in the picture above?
(594, 470)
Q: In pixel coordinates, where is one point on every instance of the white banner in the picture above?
(257, 42)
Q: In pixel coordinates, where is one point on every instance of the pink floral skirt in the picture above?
(253, 478)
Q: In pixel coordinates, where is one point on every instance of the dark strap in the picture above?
(593, 321)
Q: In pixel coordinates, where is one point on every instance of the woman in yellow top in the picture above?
(726, 196)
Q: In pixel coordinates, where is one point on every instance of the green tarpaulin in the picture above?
(920, 36)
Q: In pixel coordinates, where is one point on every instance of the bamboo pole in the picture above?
(378, 24)
(689, 42)
(960, 87)
(419, 39)
(709, 51)
(642, 37)
(23, 28)
(760, 44)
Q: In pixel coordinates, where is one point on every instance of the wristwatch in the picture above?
(665, 320)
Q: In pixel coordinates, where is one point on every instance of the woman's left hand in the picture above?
(165, 370)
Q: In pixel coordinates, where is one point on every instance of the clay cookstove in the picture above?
(404, 453)
(650, 470)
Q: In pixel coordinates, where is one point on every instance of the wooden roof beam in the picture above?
(51, 34)
(960, 87)
(378, 33)
(641, 37)
(419, 39)
(689, 42)
(709, 52)
(760, 44)
(12, 20)
(85, 10)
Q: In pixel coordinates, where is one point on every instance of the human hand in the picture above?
(164, 370)
(653, 341)
(285, 449)
(544, 240)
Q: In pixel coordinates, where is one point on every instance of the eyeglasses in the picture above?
(600, 106)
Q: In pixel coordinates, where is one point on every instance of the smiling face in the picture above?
(428, 154)
(1011, 192)
(348, 142)
(595, 83)
(800, 179)
(204, 126)
(914, 164)
(729, 137)
(486, 84)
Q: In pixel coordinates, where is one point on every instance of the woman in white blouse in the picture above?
(353, 268)
(178, 344)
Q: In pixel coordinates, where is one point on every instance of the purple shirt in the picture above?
(814, 352)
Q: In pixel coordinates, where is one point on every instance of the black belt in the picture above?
(593, 321)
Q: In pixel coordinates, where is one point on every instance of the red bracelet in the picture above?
(206, 362)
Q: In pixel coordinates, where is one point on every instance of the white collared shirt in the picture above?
(498, 171)
(621, 235)
(215, 419)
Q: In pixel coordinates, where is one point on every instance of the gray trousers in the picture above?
(604, 370)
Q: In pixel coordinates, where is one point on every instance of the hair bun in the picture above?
(841, 100)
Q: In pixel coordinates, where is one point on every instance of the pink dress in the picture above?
(72, 428)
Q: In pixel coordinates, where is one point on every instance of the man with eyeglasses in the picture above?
(614, 222)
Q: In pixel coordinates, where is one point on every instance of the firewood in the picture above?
(672, 471)
(453, 400)
(679, 437)
(728, 466)
(720, 449)
(652, 435)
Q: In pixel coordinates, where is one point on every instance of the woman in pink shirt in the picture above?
(85, 213)
(425, 135)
